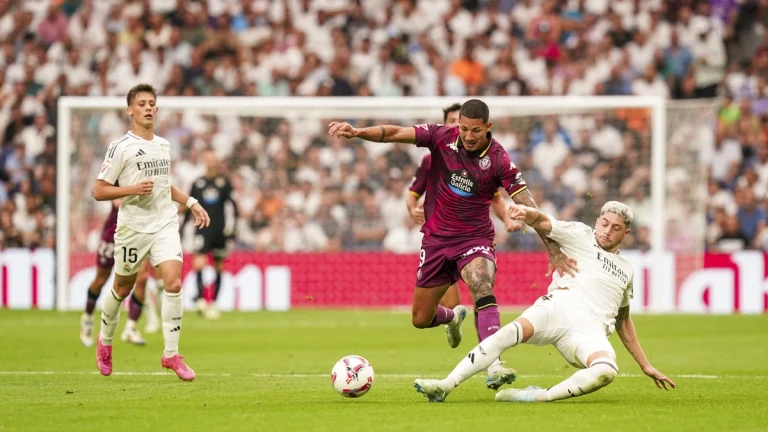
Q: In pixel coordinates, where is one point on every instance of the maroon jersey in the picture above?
(110, 225)
(419, 184)
(461, 184)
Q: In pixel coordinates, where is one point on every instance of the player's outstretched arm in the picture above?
(202, 219)
(557, 259)
(104, 191)
(532, 217)
(383, 133)
(626, 331)
(499, 208)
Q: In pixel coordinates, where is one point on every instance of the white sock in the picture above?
(582, 382)
(110, 315)
(171, 312)
(131, 324)
(483, 355)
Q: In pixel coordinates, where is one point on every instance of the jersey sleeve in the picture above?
(426, 135)
(113, 164)
(509, 176)
(628, 293)
(567, 232)
(419, 184)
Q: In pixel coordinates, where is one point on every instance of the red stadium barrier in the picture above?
(712, 283)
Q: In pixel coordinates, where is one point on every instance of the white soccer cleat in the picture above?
(201, 305)
(517, 395)
(132, 336)
(431, 389)
(86, 330)
(453, 329)
(212, 313)
(498, 375)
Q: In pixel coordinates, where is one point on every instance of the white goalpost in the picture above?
(80, 109)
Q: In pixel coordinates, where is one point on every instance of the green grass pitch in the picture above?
(270, 372)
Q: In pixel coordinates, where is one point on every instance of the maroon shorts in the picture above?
(441, 260)
(105, 254)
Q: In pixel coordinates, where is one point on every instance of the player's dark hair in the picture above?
(140, 88)
(475, 109)
(450, 109)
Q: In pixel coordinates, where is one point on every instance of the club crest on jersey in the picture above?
(485, 163)
(461, 183)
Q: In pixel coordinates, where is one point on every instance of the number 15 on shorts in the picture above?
(130, 255)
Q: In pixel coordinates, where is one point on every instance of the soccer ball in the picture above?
(352, 376)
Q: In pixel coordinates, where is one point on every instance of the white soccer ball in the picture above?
(352, 376)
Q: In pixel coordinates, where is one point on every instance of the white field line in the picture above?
(395, 376)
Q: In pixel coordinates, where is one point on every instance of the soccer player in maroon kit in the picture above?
(468, 166)
(105, 260)
(452, 297)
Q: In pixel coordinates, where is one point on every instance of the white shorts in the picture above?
(561, 319)
(132, 247)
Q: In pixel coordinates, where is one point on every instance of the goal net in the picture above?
(291, 178)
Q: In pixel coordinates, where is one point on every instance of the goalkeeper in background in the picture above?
(214, 192)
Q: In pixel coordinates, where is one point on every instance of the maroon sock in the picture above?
(90, 305)
(488, 321)
(443, 316)
(134, 309)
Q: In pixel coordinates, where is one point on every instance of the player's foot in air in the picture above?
(104, 358)
(431, 389)
(453, 329)
(517, 395)
(176, 364)
(132, 336)
(86, 330)
(499, 374)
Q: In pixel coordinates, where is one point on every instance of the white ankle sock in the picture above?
(171, 313)
(110, 315)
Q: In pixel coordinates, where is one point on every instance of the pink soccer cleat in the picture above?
(176, 364)
(104, 358)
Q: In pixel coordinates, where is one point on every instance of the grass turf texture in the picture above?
(244, 362)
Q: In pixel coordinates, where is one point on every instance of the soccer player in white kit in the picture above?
(137, 167)
(576, 316)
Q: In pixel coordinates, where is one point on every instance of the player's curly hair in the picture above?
(450, 109)
(140, 88)
(620, 209)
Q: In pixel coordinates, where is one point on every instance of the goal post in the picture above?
(78, 110)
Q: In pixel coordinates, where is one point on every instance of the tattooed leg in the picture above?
(480, 275)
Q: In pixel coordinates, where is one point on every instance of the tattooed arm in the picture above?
(557, 259)
(626, 331)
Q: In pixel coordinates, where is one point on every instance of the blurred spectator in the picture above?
(301, 190)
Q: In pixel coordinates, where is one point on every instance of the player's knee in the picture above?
(123, 290)
(606, 370)
(421, 320)
(174, 286)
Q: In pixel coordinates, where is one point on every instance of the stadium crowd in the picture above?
(299, 190)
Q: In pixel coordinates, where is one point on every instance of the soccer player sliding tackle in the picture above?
(137, 168)
(452, 298)
(104, 262)
(576, 316)
(467, 168)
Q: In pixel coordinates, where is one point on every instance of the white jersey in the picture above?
(604, 280)
(130, 160)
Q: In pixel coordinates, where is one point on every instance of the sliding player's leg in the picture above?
(596, 357)
(103, 270)
(131, 248)
(166, 254)
(480, 358)
(478, 270)
(433, 278)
